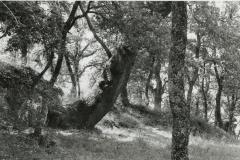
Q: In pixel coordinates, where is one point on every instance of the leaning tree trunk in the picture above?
(49, 63)
(180, 109)
(120, 68)
(60, 59)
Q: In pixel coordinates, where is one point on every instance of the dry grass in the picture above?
(113, 144)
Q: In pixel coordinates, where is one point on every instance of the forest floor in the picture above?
(143, 143)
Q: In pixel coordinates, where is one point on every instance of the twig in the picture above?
(11, 12)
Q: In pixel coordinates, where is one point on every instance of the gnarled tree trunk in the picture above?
(120, 68)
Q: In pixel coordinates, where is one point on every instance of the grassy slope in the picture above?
(120, 144)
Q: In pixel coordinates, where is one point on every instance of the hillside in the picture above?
(141, 142)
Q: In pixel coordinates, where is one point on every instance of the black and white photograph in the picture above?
(119, 80)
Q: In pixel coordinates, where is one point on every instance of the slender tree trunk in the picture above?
(205, 103)
(218, 116)
(180, 109)
(72, 76)
(197, 107)
(124, 93)
(49, 63)
(124, 97)
(60, 59)
(77, 76)
(158, 91)
(24, 49)
(67, 26)
(157, 101)
(231, 113)
(193, 80)
(149, 78)
(78, 87)
(204, 91)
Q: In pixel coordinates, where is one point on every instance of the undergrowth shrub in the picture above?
(199, 127)
(128, 121)
(161, 118)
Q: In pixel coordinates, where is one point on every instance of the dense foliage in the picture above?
(155, 57)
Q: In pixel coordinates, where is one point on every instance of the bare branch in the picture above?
(88, 66)
(75, 19)
(87, 45)
(83, 13)
(108, 52)
(37, 79)
(71, 19)
(4, 35)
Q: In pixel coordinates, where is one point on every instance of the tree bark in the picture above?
(180, 109)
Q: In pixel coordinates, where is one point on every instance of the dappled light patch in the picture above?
(65, 133)
(119, 134)
(160, 132)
